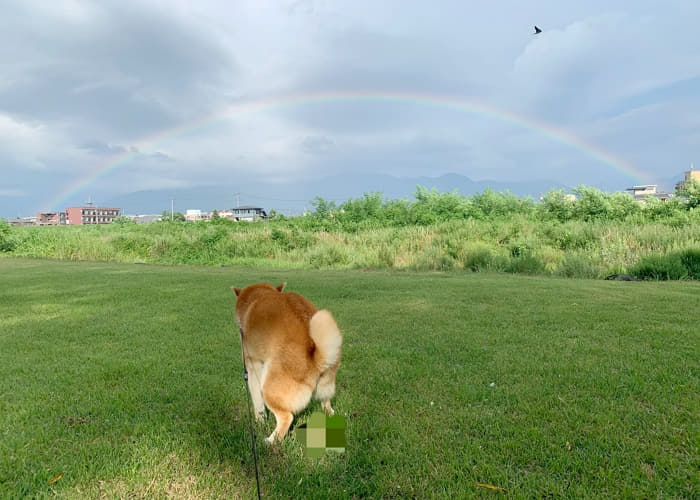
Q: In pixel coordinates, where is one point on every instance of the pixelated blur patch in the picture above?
(322, 433)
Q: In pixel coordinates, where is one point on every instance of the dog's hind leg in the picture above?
(284, 398)
(256, 374)
(284, 420)
(325, 389)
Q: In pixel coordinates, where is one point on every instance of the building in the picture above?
(239, 214)
(91, 215)
(225, 214)
(248, 213)
(22, 221)
(690, 175)
(50, 218)
(146, 218)
(195, 215)
(640, 193)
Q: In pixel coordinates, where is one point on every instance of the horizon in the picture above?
(182, 208)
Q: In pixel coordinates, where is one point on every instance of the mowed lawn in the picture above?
(125, 381)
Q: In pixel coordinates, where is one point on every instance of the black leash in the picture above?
(250, 415)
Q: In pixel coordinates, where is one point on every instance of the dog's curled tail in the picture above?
(328, 339)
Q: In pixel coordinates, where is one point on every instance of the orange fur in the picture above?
(290, 351)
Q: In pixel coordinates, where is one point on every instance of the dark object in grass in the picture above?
(73, 421)
(622, 277)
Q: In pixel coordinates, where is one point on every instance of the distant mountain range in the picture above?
(293, 198)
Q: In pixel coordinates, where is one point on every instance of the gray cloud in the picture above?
(113, 150)
(100, 148)
(128, 67)
(317, 144)
(82, 84)
(593, 65)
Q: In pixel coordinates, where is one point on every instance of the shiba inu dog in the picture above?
(291, 351)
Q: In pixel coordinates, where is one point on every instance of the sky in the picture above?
(98, 99)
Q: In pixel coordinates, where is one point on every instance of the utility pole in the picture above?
(172, 206)
(238, 200)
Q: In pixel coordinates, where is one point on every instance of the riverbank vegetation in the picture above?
(592, 236)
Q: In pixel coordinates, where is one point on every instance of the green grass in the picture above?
(517, 244)
(127, 380)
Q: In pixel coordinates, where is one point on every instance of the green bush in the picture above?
(433, 259)
(281, 238)
(212, 236)
(519, 249)
(570, 235)
(556, 205)
(327, 255)
(525, 262)
(690, 191)
(289, 239)
(7, 244)
(591, 204)
(123, 220)
(386, 256)
(577, 266)
(660, 267)
(132, 244)
(478, 259)
(691, 261)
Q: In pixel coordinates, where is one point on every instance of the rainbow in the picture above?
(556, 134)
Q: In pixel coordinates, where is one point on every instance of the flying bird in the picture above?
(537, 31)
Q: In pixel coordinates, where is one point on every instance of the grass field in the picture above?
(126, 379)
(574, 249)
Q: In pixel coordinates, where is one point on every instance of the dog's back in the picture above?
(292, 349)
(274, 323)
